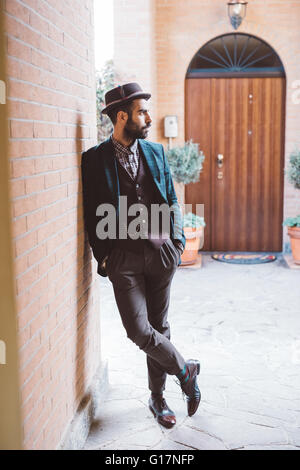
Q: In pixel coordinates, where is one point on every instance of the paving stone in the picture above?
(118, 418)
(294, 435)
(270, 448)
(146, 438)
(208, 410)
(166, 444)
(243, 323)
(196, 439)
(235, 434)
(120, 446)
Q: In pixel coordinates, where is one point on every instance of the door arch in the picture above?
(235, 107)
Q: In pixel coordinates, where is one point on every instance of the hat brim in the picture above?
(132, 97)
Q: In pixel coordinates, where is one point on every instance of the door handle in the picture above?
(220, 159)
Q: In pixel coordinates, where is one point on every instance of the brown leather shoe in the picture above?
(190, 388)
(162, 412)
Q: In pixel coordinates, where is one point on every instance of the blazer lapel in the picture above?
(151, 160)
(152, 164)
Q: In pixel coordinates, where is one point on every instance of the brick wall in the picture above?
(180, 29)
(51, 98)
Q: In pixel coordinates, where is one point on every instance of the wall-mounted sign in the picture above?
(171, 126)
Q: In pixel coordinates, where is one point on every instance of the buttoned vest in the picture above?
(142, 190)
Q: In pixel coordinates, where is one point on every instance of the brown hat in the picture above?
(123, 94)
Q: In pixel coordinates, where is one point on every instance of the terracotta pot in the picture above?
(294, 233)
(193, 238)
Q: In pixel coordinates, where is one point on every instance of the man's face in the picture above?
(138, 124)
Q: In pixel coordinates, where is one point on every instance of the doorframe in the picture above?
(190, 74)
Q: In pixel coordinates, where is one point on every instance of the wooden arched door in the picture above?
(240, 117)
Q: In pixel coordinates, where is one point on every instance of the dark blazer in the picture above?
(100, 184)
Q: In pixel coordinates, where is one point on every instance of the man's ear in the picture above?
(122, 116)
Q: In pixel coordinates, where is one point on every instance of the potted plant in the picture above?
(193, 226)
(186, 163)
(293, 223)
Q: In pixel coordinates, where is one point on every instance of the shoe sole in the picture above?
(157, 419)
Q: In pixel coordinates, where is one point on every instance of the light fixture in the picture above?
(237, 12)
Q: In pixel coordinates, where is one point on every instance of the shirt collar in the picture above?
(131, 149)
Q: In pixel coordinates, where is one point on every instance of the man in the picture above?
(142, 263)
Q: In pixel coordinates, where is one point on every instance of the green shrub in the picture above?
(185, 162)
(193, 220)
(105, 80)
(293, 174)
(293, 171)
(292, 221)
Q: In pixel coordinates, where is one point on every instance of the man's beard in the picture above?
(132, 131)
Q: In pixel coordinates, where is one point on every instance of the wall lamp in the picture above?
(237, 12)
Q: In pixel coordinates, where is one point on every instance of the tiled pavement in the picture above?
(243, 323)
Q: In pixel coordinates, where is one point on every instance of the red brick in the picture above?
(52, 179)
(17, 49)
(17, 10)
(24, 281)
(51, 147)
(19, 227)
(17, 188)
(43, 164)
(23, 320)
(36, 218)
(28, 73)
(40, 60)
(22, 32)
(24, 205)
(39, 321)
(18, 149)
(38, 23)
(23, 336)
(35, 184)
(21, 264)
(32, 382)
(37, 254)
(55, 34)
(22, 168)
(25, 243)
(21, 129)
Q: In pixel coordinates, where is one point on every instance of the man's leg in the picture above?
(126, 272)
(160, 268)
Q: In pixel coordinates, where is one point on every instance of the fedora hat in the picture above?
(123, 94)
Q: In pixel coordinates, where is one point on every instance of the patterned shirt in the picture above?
(128, 157)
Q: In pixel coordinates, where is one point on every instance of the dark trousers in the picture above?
(141, 283)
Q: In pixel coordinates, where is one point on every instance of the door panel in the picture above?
(198, 128)
(244, 121)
